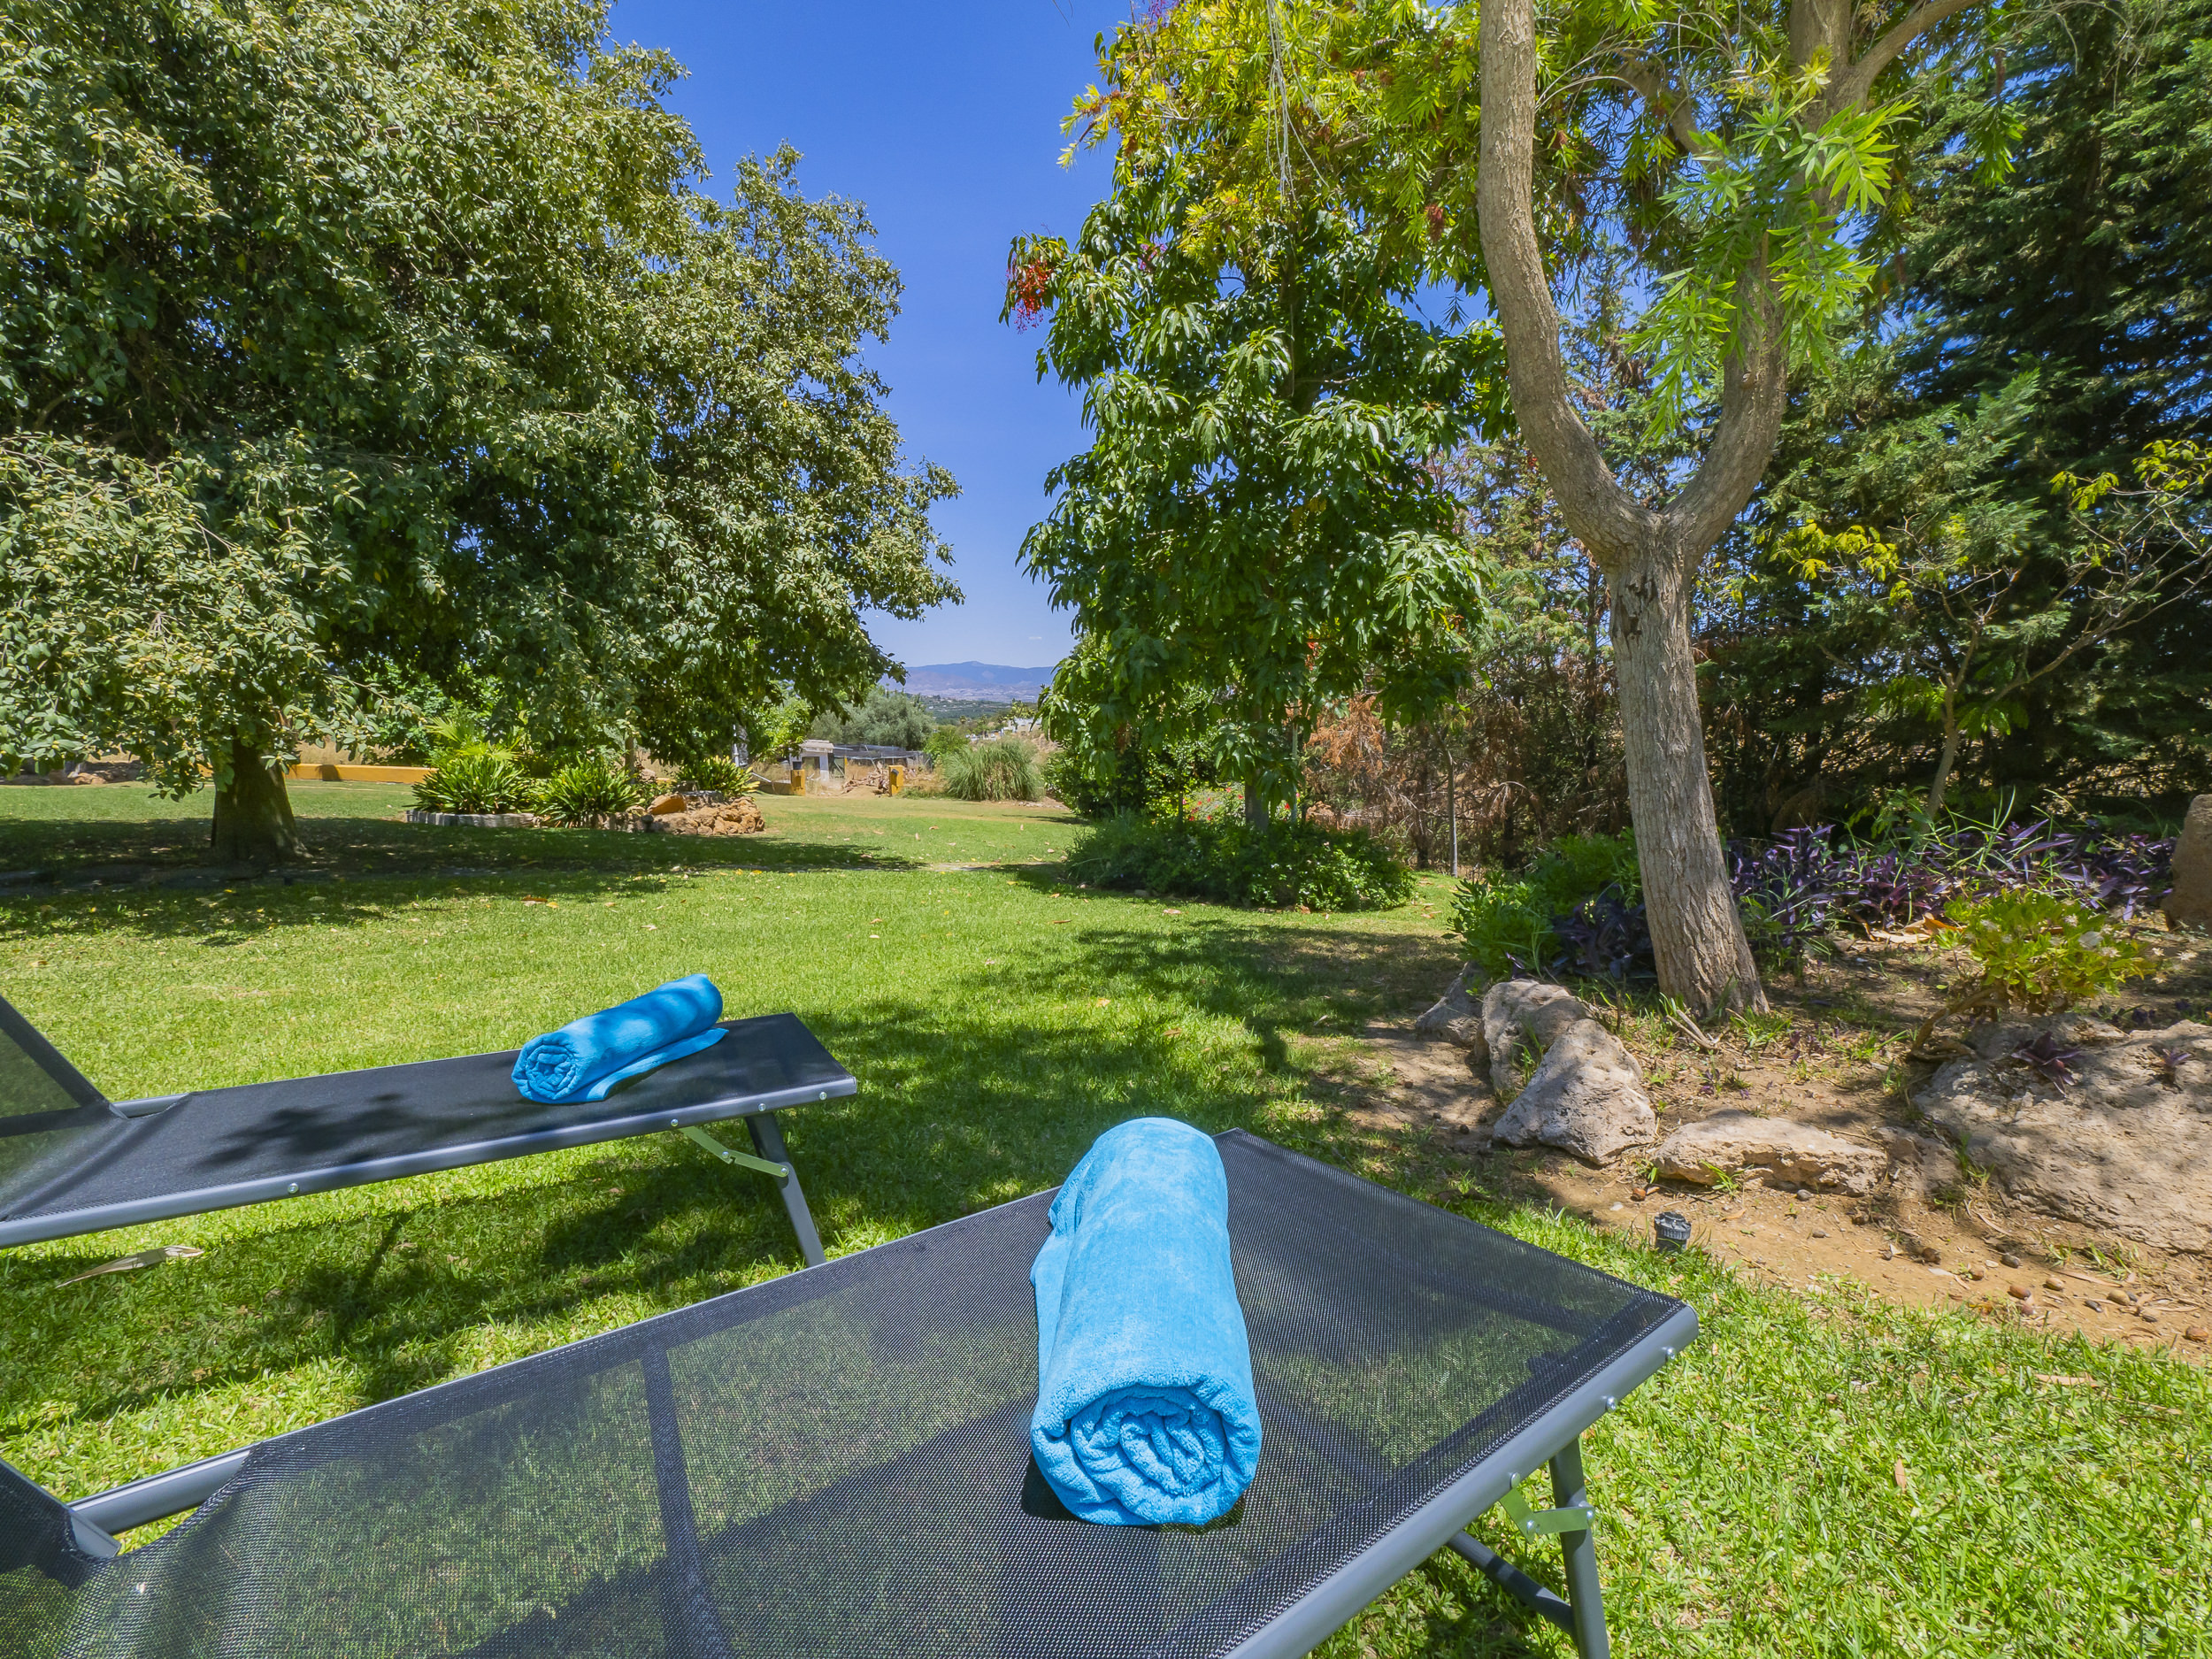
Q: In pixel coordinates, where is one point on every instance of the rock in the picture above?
(1586, 1098)
(1514, 1010)
(1790, 1154)
(2190, 903)
(1920, 1166)
(2009, 1259)
(2079, 1031)
(740, 817)
(664, 804)
(1456, 1018)
(2198, 1333)
(2127, 1149)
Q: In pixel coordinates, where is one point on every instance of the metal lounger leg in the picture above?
(768, 1141)
(1581, 1612)
(1581, 1550)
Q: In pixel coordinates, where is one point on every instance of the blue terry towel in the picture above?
(1145, 1410)
(589, 1057)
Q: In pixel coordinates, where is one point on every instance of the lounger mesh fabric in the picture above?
(60, 1157)
(836, 1463)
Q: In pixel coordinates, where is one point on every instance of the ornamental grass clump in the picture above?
(1004, 769)
(718, 774)
(478, 782)
(585, 791)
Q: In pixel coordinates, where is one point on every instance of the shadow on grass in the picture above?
(969, 1098)
(172, 851)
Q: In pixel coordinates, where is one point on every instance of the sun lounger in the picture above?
(836, 1463)
(73, 1162)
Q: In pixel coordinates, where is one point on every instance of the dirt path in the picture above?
(1833, 1057)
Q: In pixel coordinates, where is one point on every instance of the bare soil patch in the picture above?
(1935, 1231)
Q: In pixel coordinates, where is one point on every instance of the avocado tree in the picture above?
(347, 344)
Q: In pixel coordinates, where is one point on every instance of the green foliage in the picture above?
(348, 341)
(2083, 263)
(483, 780)
(1001, 768)
(1100, 783)
(885, 719)
(2041, 953)
(1504, 921)
(1255, 527)
(592, 787)
(775, 729)
(1282, 864)
(720, 773)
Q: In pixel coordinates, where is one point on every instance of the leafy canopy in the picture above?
(348, 341)
(1256, 527)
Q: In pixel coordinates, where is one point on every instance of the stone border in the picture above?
(473, 820)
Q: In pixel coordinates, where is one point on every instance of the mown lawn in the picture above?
(1820, 1474)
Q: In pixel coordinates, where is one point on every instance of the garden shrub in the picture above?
(1284, 862)
(2041, 953)
(1003, 769)
(718, 773)
(1575, 911)
(1578, 902)
(474, 780)
(592, 787)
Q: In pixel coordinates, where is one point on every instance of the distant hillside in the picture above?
(977, 682)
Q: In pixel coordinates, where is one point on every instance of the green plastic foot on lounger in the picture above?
(1535, 1523)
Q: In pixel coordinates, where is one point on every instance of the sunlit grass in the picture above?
(997, 1020)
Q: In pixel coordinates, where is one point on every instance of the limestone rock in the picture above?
(1588, 1096)
(2081, 1030)
(1456, 1018)
(663, 805)
(740, 817)
(1517, 1009)
(1920, 1166)
(2190, 903)
(2127, 1149)
(1787, 1153)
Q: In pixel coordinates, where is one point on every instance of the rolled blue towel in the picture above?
(1145, 1411)
(589, 1057)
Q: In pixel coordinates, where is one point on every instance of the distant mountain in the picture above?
(983, 682)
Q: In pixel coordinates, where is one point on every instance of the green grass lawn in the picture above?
(1819, 1474)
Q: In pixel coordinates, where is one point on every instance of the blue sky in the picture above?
(945, 122)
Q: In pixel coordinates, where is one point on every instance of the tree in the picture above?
(1776, 118)
(1254, 528)
(355, 344)
(2071, 297)
(885, 719)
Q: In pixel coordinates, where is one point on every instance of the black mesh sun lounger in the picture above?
(836, 1463)
(73, 1162)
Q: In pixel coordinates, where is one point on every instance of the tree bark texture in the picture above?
(253, 815)
(1696, 929)
(1650, 557)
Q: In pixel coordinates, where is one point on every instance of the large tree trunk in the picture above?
(253, 815)
(1650, 557)
(1254, 805)
(1696, 931)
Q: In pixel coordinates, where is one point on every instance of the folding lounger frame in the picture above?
(73, 1162)
(833, 1462)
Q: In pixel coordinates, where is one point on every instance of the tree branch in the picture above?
(1644, 76)
(1848, 89)
(1607, 520)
